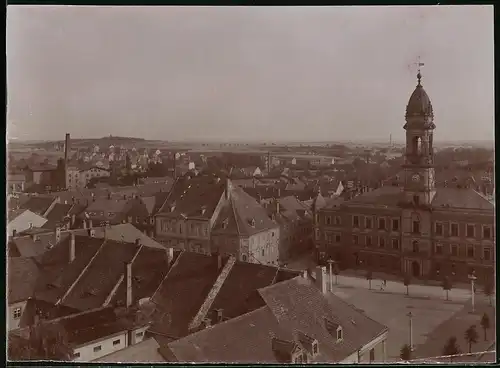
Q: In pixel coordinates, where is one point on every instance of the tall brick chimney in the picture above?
(128, 283)
(66, 147)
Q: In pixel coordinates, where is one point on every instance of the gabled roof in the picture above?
(388, 195)
(13, 214)
(190, 195)
(28, 247)
(22, 275)
(246, 215)
(268, 333)
(58, 212)
(127, 233)
(38, 205)
(183, 291)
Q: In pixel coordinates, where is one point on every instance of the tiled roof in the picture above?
(57, 273)
(246, 214)
(108, 205)
(22, 274)
(101, 275)
(13, 214)
(127, 233)
(149, 202)
(148, 271)
(387, 195)
(460, 198)
(58, 212)
(295, 309)
(144, 352)
(38, 205)
(182, 293)
(189, 195)
(238, 294)
(27, 247)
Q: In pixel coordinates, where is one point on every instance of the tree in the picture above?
(488, 289)
(451, 348)
(369, 277)
(447, 286)
(44, 341)
(471, 336)
(485, 324)
(405, 352)
(407, 282)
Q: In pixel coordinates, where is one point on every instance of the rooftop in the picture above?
(22, 276)
(144, 352)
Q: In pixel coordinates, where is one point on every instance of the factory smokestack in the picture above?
(66, 147)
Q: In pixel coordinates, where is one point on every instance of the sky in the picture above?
(247, 73)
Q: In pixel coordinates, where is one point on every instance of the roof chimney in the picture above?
(14, 233)
(228, 188)
(218, 315)
(128, 283)
(170, 255)
(277, 206)
(219, 260)
(72, 251)
(66, 147)
(137, 241)
(321, 278)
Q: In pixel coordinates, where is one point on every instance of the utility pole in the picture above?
(410, 316)
(472, 278)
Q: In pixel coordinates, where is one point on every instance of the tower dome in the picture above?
(419, 103)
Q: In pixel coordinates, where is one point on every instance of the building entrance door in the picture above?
(415, 269)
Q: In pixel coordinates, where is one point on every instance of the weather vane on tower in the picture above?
(419, 65)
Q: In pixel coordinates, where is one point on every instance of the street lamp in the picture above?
(472, 278)
(410, 316)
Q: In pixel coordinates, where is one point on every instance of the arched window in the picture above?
(244, 258)
(416, 247)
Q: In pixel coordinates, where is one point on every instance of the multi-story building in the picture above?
(415, 228)
(206, 214)
(78, 177)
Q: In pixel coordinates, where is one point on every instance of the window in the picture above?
(416, 227)
(139, 334)
(368, 241)
(272, 234)
(416, 247)
(116, 342)
(76, 355)
(381, 223)
(395, 244)
(355, 240)
(438, 248)
(337, 238)
(315, 348)
(244, 257)
(329, 238)
(454, 229)
(337, 220)
(395, 225)
(438, 228)
(328, 220)
(486, 232)
(355, 221)
(454, 250)
(97, 348)
(381, 242)
(470, 231)
(368, 222)
(17, 313)
(372, 355)
(263, 250)
(486, 254)
(470, 251)
(339, 334)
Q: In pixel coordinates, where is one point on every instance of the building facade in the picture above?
(415, 228)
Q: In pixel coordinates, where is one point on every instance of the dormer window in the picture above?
(335, 330)
(340, 333)
(225, 223)
(251, 222)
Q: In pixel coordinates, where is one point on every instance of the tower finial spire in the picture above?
(419, 75)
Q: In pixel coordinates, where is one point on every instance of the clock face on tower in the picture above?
(415, 178)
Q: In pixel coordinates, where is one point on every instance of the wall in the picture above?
(379, 347)
(87, 351)
(21, 222)
(13, 323)
(264, 247)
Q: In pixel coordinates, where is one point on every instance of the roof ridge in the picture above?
(233, 209)
(169, 194)
(166, 275)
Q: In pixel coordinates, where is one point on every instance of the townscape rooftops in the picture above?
(294, 307)
(13, 214)
(58, 212)
(22, 276)
(127, 233)
(26, 246)
(465, 198)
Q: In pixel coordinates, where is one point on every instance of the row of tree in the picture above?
(451, 349)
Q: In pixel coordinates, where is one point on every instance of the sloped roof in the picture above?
(27, 247)
(183, 291)
(291, 306)
(127, 233)
(38, 205)
(190, 195)
(387, 195)
(13, 214)
(22, 275)
(461, 198)
(58, 212)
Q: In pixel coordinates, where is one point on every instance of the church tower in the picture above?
(419, 185)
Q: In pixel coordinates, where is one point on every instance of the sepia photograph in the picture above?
(245, 184)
